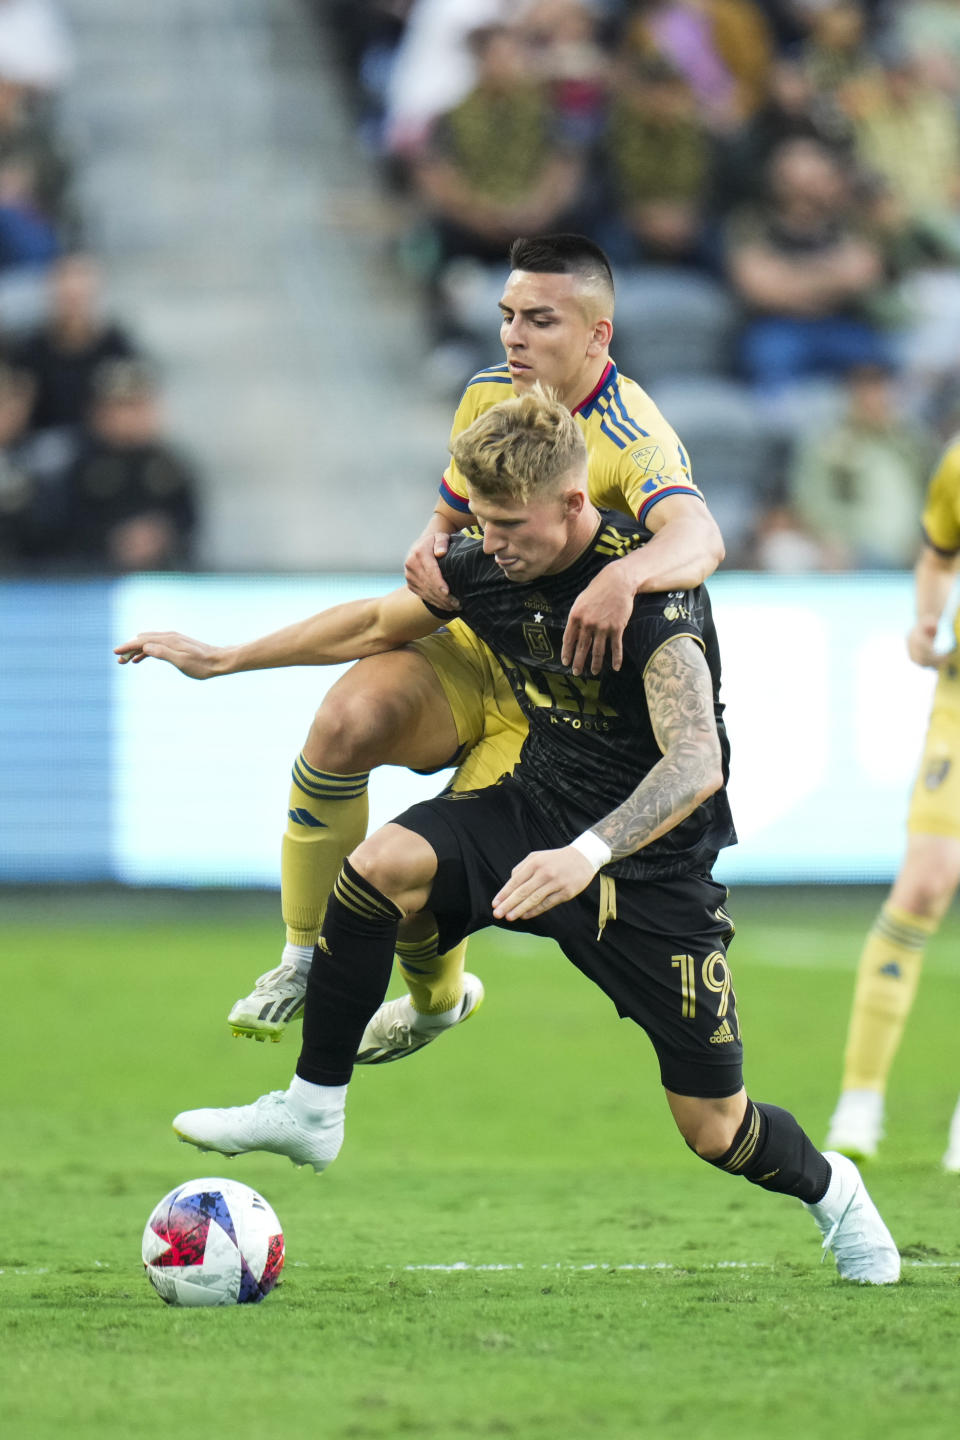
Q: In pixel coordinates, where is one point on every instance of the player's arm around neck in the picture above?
(679, 694)
(685, 549)
(332, 637)
(420, 569)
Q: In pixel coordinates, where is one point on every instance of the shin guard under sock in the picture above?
(887, 979)
(326, 819)
(348, 978)
(771, 1150)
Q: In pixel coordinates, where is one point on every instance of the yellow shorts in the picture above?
(491, 727)
(935, 803)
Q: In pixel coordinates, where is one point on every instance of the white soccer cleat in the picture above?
(276, 999)
(271, 1124)
(851, 1227)
(856, 1126)
(397, 1030)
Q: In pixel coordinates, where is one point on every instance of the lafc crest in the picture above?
(539, 644)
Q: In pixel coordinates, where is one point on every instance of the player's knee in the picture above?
(928, 877)
(708, 1134)
(397, 863)
(377, 863)
(349, 734)
(926, 893)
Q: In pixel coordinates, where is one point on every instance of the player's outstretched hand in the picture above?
(422, 573)
(544, 879)
(597, 620)
(921, 644)
(191, 657)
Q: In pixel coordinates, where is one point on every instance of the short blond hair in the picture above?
(521, 448)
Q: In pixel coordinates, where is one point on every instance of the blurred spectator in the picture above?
(921, 297)
(910, 134)
(786, 19)
(434, 66)
(908, 242)
(17, 488)
(494, 167)
(723, 48)
(806, 271)
(131, 500)
(28, 239)
(359, 24)
(369, 34)
(27, 141)
(657, 153)
(792, 110)
(835, 53)
(943, 408)
(782, 545)
(564, 40)
(60, 358)
(858, 487)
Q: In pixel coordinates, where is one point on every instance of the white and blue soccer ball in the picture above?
(213, 1242)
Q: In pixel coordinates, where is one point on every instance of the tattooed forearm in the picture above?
(680, 699)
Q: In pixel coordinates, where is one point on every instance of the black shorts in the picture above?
(661, 959)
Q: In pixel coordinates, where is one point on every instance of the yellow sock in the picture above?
(327, 819)
(435, 981)
(886, 984)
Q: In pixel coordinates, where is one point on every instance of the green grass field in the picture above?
(514, 1242)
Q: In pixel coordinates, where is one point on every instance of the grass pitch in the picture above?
(515, 1242)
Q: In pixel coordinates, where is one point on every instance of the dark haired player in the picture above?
(444, 700)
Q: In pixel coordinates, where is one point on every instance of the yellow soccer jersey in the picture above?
(941, 514)
(634, 456)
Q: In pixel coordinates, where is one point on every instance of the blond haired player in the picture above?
(444, 701)
(602, 838)
(893, 953)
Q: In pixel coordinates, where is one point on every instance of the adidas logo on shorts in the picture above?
(723, 1035)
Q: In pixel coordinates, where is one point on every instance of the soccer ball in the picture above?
(213, 1242)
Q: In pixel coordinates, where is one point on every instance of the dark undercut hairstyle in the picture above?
(565, 255)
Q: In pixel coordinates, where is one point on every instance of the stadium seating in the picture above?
(733, 444)
(673, 322)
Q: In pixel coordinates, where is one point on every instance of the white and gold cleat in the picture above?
(397, 1030)
(276, 999)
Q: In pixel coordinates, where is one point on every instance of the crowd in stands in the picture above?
(776, 181)
(778, 185)
(88, 480)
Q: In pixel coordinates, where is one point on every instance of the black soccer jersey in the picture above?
(591, 741)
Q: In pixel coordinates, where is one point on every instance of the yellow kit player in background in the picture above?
(444, 700)
(893, 953)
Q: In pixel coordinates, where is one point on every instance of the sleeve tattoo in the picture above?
(679, 695)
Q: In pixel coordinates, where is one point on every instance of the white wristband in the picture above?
(592, 848)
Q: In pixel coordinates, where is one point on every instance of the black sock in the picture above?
(771, 1150)
(348, 978)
